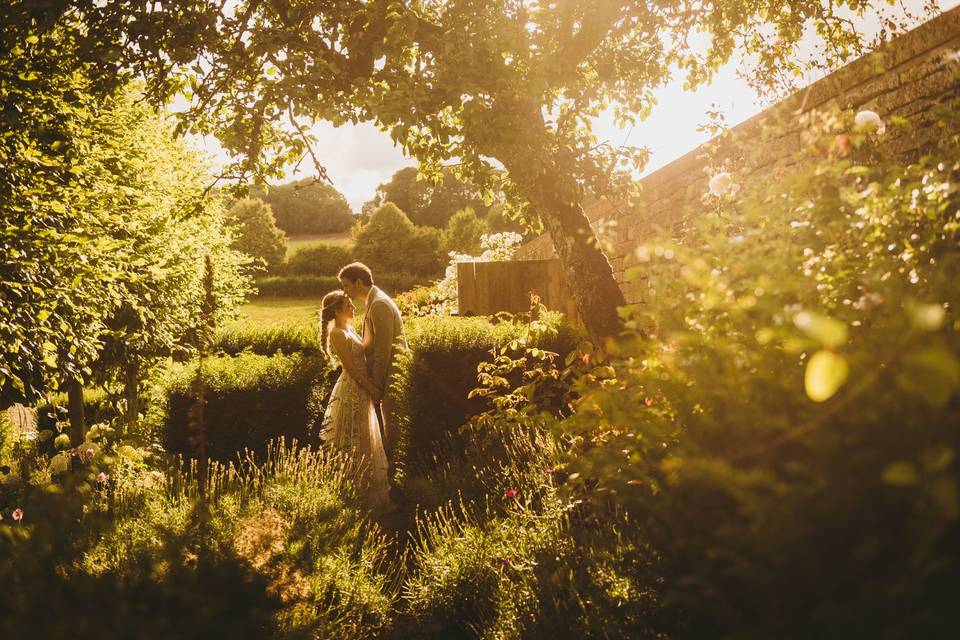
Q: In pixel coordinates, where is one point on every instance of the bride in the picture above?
(350, 420)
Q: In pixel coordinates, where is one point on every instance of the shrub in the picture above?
(793, 457)
(442, 365)
(288, 339)
(390, 243)
(256, 232)
(318, 260)
(250, 399)
(296, 286)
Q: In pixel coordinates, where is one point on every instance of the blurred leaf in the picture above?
(928, 317)
(827, 331)
(933, 374)
(900, 474)
(826, 372)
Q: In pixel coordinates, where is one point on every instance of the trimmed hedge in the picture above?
(301, 286)
(437, 374)
(291, 338)
(250, 400)
(296, 286)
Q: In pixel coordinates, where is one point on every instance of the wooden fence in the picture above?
(485, 288)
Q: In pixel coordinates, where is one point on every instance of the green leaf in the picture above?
(900, 474)
(825, 374)
(827, 331)
(928, 317)
(932, 373)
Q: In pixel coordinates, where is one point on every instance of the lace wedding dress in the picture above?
(350, 424)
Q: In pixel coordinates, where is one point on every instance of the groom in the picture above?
(383, 325)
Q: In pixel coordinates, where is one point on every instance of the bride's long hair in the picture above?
(331, 303)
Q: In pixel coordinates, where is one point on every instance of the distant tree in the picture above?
(462, 233)
(307, 206)
(257, 234)
(390, 243)
(425, 203)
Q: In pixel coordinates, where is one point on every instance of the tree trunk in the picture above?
(78, 427)
(131, 387)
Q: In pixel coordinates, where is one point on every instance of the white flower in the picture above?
(869, 121)
(721, 184)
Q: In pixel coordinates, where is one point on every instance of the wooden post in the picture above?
(78, 427)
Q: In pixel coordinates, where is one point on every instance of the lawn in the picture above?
(270, 310)
(295, 242)
(267, 311)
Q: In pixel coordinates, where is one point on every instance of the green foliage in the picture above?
(307, 206)
(250, 399)
(287, 338)
(427, 203)
(104, 229)
(319, 260)
(257, 234)
(297, 286)
(793, 455)
(463, 233)
(390, 243)
(442, 363)
(281, 550)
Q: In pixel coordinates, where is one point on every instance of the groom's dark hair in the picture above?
(357, 271)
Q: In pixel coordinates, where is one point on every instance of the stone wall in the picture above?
(907, 77)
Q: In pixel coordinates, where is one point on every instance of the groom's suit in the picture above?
(384, 325)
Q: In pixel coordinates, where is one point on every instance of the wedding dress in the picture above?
(350, 424)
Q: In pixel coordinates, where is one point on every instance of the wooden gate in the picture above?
(485, 288)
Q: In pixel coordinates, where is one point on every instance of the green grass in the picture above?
(295, 242)
(265, 311)
(270, 310)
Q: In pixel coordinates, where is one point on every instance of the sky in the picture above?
(360, 157)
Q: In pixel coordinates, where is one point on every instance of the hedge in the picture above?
(250, 399)
(289, 338)
(304, 286)
(436, 375)
(324, 260)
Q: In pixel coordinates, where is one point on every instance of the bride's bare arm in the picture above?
(341, 346)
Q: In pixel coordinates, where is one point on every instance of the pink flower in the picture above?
(512, 493)
(17, 514)
(102, 478)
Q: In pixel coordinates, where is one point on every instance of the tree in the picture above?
(307, 206)
(475, 81)
(390, 243)
(463, 233)
(104, 226)
(425, 203)
(257, 232)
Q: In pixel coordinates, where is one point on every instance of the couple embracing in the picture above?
(357, 418)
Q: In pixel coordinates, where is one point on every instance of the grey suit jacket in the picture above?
(382, 317)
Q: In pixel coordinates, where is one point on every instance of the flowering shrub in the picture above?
(783, 415)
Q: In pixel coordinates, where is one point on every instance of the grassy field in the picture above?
(270, 310)
(295, 242)
(267, 311)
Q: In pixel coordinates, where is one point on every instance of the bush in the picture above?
(287, 339)
(318, 260)
(307, 207)
(390, 243)
(250, 399)
(256, 232)
(435, 377)
(794, 455)
(296, 286)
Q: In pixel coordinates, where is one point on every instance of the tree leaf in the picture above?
(827, 331)
(825, 374)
